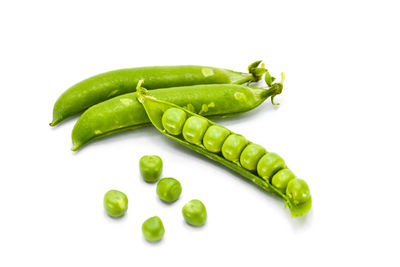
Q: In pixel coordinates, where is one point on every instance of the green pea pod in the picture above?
(125, 112)
(293, 191)
(104, 86)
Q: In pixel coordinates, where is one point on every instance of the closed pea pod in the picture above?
(104, 86)
(296, 196)
(124, 112)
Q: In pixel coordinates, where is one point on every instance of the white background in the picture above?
(337, 127)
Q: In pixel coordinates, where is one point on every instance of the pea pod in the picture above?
(234, 149)
(104, 86)
(125, 112)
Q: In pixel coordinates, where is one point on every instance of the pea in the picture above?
(150, 168)
(215, 137)
(173, 120)
(251, 155)
(233, 146)
(194, 129)
(153, 229)
(281, 179)
(195, 213)
(297, 190)
(169, 189)
(115, 203)
(270, 164)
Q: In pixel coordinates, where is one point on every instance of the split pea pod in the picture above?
(125, 112)
(265, 169)
(104, 86)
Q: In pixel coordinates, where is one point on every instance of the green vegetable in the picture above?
(236, 150)
(215, 137)
(195, 213)
(150, 168)
(125, 112)
(174, 121)
(169, 189)
(104, 86)
(298, 192)
(115, 203)
(251, 155)
(153, 229)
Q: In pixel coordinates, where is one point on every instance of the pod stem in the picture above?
(257, 71)
(277, 88)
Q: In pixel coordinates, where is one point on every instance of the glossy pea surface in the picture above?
(195, 213)
(115, 203)
(215, 137)
(153, 229)
(169, 189)
(173, 120)
(194, 129)
(281, 179)
(270, 164)
(150, 168)
(251, 155)
(297, 190)
(233, 146)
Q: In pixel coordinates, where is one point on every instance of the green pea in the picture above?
(173, 120)
(215, 137)
(194, 129)
(270, 164)
(281, 179)
(153, 229)
(233, 146)
(195, 213)
(251, 155)
(150, 168)
(115, 203)
(297, 190)
(169, 189)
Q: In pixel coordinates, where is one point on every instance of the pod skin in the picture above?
(299, 204)
(125, 112)
(104, 86)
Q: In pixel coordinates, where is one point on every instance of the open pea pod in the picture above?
(265, 169)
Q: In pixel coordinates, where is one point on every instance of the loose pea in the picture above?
(115, 203)
(251, 155)
(153, 229)
(173, 120)
(270, 164)
(233, 146)
(297, 190)
(169, 189)
(150, 168)
(195, 213)
(281, 179)
(215, 137)
(194, 129)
